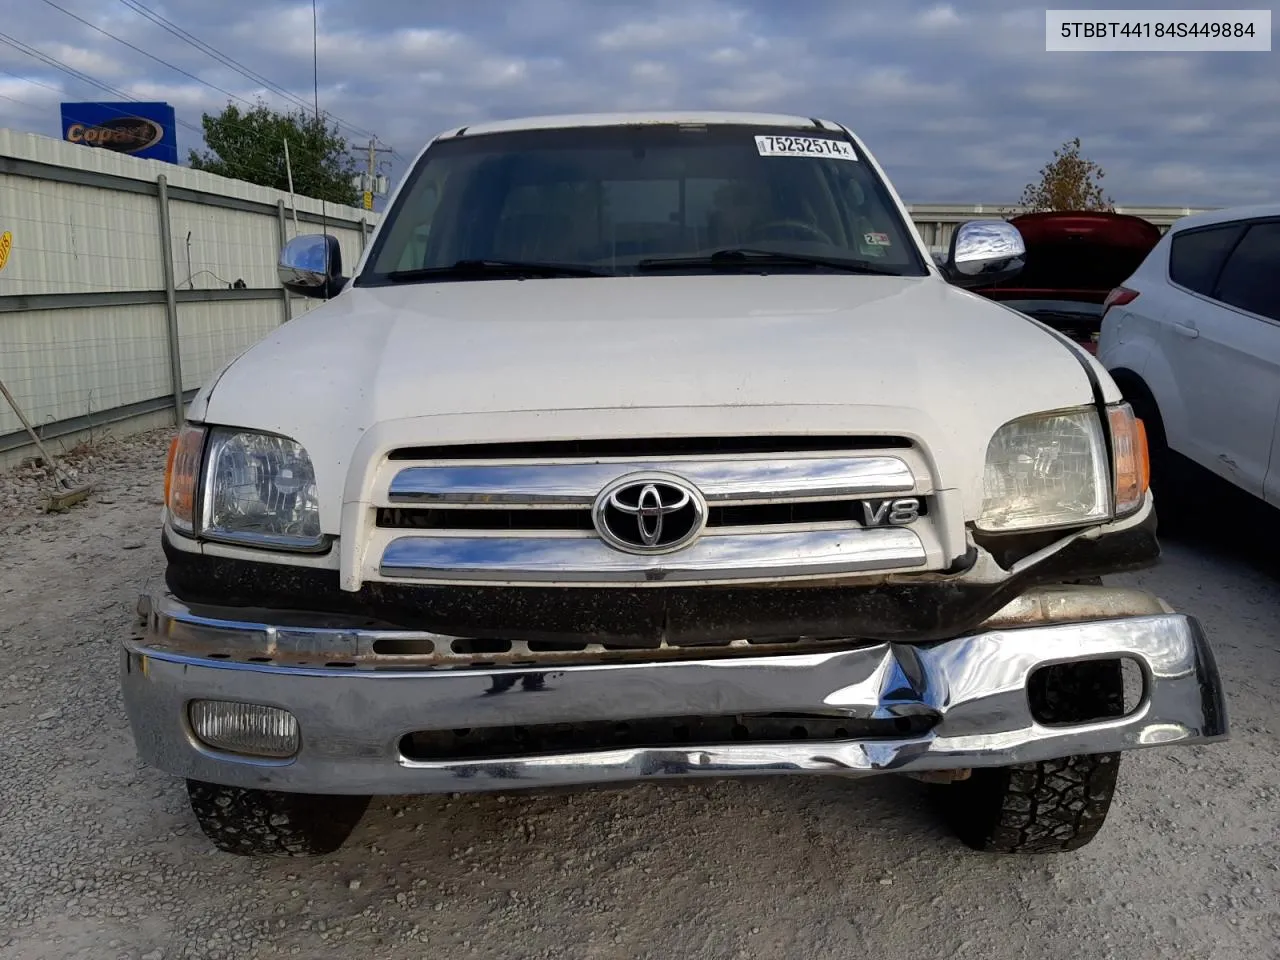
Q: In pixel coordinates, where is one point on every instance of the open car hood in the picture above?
(1077, 256)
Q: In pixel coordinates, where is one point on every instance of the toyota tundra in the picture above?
(648, 447)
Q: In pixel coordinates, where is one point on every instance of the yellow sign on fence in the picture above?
(6, 244)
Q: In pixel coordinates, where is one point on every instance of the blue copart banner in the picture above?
(145, 130)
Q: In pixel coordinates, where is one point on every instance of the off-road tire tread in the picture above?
(1052, 806)
(268, 823)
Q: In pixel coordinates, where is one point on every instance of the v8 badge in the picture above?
(890, 513)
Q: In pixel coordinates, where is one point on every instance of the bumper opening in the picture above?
(1086, 691)
(531, 740)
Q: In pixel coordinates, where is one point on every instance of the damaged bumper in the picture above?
(372, 724)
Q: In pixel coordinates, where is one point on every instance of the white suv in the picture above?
(1193, 340)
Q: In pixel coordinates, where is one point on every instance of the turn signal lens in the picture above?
(181, 476)
(1133, 469)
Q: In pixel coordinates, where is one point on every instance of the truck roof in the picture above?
(666, 116)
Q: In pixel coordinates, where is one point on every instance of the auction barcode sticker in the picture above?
(805, 147)
(1158, 31)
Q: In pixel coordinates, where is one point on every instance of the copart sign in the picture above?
(144, 130)
(124, 134)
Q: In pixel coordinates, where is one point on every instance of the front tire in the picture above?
(269, 823)
(1051, 806)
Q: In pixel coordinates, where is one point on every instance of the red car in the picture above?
(1074, 259)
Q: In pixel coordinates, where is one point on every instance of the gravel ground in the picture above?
(100, 858)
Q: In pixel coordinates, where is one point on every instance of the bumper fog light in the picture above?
(246, 728)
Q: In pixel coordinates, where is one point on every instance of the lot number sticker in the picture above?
(805, 147)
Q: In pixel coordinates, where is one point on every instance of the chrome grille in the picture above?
(748, 515)
(535, 485)
(648, 448)
(468, 514)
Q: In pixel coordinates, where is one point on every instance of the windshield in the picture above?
(622, 199)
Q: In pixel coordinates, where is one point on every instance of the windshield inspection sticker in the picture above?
(805, 147)
(877, 240)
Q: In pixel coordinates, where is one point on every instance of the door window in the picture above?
(1250, 279)
(1196, 256)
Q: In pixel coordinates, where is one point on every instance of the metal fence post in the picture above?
(170, 298)
(364, 234)
(282, 231)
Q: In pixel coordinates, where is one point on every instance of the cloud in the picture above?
(960, 102)
(941, 17)
(696, 28)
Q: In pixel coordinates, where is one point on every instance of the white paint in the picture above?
(545, 359)
(564, 358)
(1213, 370)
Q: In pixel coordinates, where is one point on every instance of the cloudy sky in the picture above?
(959, 100)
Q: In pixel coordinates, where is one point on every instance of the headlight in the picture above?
(1046, 470)
(259, 490)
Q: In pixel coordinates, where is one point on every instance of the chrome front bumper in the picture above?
(973, 689)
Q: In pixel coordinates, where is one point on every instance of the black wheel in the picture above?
(1051, 806)
(268, 823)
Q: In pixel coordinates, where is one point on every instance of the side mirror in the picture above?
(311, 266)
(984, 252)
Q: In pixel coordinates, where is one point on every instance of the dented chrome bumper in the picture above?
(964, 701)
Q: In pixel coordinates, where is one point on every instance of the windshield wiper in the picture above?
(464, 269)
(741, 256)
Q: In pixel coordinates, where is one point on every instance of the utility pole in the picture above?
(369, 182)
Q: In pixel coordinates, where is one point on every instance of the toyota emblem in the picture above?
(656, 513)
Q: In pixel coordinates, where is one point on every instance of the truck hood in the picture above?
(496, 360)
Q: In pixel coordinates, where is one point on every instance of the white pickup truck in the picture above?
(657, 446)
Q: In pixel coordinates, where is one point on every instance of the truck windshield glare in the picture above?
(610, 197)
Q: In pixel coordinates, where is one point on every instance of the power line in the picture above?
(315, 62)
(39, 83)
(79, 75)
(57, 64)
(227, 61)
(25, 103)
(152, 56)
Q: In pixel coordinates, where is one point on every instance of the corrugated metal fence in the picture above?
(128, 282)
